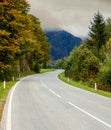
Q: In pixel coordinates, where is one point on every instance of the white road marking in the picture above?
(8, 120)
(87, 113)
(9, 116)
(50, 90)
(55, 93)
(43, 84)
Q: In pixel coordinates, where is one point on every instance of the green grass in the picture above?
(80, 85)
(4, 93)
(46, 70)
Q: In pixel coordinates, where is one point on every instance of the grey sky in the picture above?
(71, 15)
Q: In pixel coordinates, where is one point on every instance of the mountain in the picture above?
(62, 43)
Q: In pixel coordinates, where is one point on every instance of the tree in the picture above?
(97, 31)
(12, 24)
(91, 61)
(21, 38)
(82, 64)
(23, 44)
(60, 64)
(39, 53)
(104, 76)
(108, 28)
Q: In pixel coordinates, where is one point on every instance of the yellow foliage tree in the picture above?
(13, 19)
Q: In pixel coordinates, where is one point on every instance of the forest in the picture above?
(23, 43)
(91, 62)
(61, 40)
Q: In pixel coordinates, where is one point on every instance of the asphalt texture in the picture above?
(43, 102)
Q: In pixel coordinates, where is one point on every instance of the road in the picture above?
(43, 102)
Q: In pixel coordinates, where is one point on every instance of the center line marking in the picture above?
(43, 84)
(87, 113)
(54, 93)
(51, 90)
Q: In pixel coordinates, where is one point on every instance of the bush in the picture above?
(82, 65)
(105, 78)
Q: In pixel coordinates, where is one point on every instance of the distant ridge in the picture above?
(62, 43)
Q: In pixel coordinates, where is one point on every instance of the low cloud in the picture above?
(71, 15)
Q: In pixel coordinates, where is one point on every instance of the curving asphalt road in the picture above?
(43, 102)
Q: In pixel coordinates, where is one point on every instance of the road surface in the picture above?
(43, 102)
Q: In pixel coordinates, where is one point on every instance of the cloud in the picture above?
(72, 15)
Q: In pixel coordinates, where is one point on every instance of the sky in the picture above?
(73, 16)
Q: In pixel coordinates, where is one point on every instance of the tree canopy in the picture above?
(97, 31)
(20, 36)
(91, 61)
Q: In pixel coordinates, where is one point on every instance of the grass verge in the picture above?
(46, 70)
(4, 93)
(79, 85)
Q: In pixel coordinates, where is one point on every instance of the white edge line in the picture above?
(8, 119)
(9, 105)
(8, 122)
(80, 109)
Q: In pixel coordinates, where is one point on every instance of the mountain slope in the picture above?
(62, 43)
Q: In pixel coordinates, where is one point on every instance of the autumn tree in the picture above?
(39, 54)
(12, 23)
(20, 37)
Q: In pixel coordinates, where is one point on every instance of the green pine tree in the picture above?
(97, 31)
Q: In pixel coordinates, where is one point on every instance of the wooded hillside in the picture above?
(62, 43)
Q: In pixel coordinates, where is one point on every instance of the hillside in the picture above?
(62, 43)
